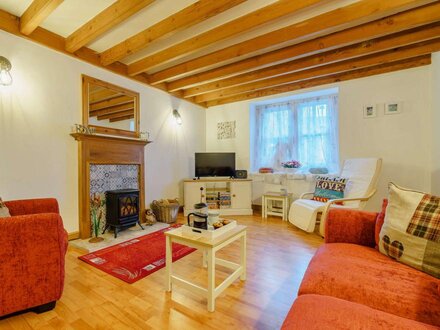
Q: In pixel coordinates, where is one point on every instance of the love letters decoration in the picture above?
(329, 188)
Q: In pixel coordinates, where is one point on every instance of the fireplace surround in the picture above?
(100, 149)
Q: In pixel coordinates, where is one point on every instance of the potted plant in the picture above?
(96, 204)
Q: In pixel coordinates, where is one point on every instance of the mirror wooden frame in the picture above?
(86, 81)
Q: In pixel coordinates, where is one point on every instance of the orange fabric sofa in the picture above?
(33, 245)
(349, 284)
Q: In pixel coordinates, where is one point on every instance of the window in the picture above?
(301, 129)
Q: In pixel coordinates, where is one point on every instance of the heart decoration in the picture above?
(394, 249)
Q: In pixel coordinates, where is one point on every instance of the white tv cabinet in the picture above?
(239, 190)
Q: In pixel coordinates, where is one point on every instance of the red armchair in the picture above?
(33, 245)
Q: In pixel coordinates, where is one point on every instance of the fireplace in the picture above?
(122, 209)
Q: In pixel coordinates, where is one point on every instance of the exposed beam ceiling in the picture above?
(36, 13)
(354, 74)
(104, 21)
(393, 55)
(344, 53)
(216, 52)
(254, 19)
(185, 18)
(391, 24)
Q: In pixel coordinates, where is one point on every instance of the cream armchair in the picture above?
(362, 175)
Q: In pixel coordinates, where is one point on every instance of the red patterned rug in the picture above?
(137, 258)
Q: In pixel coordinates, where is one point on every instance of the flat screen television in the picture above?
(215, 164)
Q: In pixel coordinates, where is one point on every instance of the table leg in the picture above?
(263, 208)
(211, 280)
(169, 261)
(204, 262)
(243, 256)
(284, 209)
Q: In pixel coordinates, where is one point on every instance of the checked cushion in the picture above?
(411, 230)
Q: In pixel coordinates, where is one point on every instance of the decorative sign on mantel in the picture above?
(226, 130)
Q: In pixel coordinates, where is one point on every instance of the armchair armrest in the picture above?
(350, 226)
(303, 195)
(33, 206)
(32, 250)
(341, 201)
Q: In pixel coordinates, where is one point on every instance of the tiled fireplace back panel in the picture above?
(111, 177)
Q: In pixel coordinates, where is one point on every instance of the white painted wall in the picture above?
(435, 124)
(39, 158)
(402, 140)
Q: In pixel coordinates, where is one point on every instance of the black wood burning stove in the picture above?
(122, 207)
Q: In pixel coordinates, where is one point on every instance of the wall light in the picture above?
(5, 68)
(177, 117)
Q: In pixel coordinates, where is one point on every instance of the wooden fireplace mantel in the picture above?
(101, 149)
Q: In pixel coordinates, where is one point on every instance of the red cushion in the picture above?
(361, 274)
(379, 222)
(323, 312)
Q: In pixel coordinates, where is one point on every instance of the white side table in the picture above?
(209, 248)
(267, 204)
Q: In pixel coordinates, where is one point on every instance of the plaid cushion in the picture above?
(411, 230)
(425, 221)
(329, 188)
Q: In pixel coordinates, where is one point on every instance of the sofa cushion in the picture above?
(379, 222)
(329, 188)
(361, 274)
(4, 211)
(318, 312)
(411, 230)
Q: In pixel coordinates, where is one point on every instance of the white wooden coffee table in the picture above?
(209, 248)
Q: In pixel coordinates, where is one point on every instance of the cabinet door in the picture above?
(241, 195)
(191, 193)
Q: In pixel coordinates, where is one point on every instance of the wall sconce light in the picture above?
(5, 68)
(177, 117)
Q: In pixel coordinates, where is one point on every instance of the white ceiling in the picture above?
(72, 14)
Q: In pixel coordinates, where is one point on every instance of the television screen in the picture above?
(215, 164)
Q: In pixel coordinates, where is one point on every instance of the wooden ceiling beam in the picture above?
(113, 109)
(391, 24)
(104, 21)
(431, 31)
(189, 16)
(355, 74)
(129, 112)
(112, 102)
(239, 25)
(36, 13)
(11, 24)
(389, 56)
(112, 120)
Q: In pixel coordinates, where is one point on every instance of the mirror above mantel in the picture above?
(110, 109)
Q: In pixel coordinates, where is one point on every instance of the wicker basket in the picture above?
(165, 211)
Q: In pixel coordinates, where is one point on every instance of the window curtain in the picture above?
(304, 130)
(274, 135)
(318, 132)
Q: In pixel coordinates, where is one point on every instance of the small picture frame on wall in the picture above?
(370, 111)
(392, 108)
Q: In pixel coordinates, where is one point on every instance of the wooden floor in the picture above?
(278, 255)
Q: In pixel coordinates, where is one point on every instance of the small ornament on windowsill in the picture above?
(291, 166)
